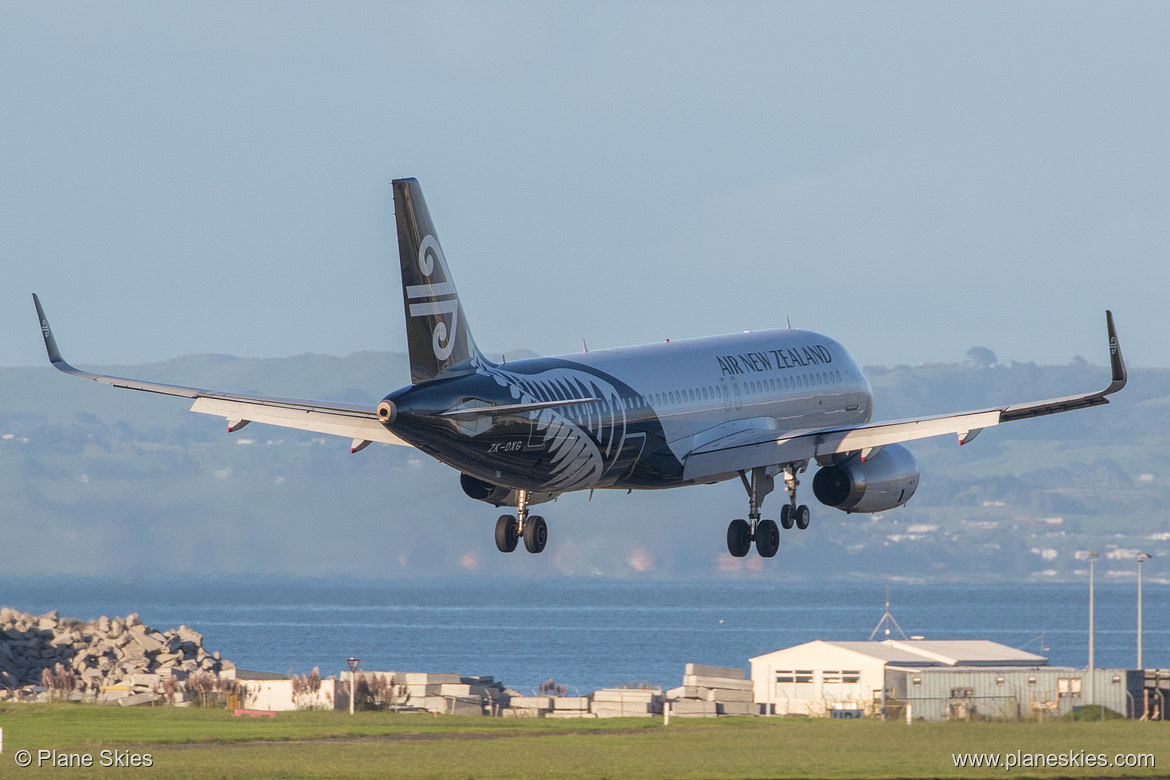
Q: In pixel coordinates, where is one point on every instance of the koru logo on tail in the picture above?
(440, 297)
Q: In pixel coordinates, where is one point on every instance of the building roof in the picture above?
(244, 674)
(998, 669)
(937, 652)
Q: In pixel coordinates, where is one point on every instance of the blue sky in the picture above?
(912, 178)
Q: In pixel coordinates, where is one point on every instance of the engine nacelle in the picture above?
(884, 481)
(495, 494)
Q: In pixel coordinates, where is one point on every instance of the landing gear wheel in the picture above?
(535, 534)
(786, 517)
(739, 538)
(506, 533)
(802, 517)
(767, 538)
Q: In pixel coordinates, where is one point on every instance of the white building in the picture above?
(818, 677)
(274, 692)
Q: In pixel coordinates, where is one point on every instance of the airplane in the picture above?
(758, 406)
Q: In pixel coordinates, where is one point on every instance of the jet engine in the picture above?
(495, 494)
(882, 481)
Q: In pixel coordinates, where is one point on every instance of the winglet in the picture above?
(1117, 362)
(51, 345)
(47, 332)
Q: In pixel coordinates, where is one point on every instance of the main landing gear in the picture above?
(510, 528)
(765, 533)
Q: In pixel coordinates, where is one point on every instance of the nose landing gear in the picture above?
(510, 528)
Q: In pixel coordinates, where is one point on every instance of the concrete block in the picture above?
(425, 678)
(137, 699)
(563, 714)
(717, 682)
(478, 679)
(694, 707)
(723, 694)
(521, 712)
(451, 706)
(531, 702)
(688, 692)
(701, 670)
(189, 635)
(627, 695)
(630, 707)
(148, 642)
(452, 689)
(618, 710)
(570, 702)
(144, 680)
(464, 707)
(738, 708)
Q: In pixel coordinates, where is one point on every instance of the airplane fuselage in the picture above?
(654, 403)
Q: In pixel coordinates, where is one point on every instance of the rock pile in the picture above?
(102, 660)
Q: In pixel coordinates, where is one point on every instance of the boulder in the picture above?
(47, 621)
(188, 635)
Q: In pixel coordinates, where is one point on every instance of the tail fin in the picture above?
(437, 334)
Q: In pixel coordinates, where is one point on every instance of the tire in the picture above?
(506, 536)
(802, 517)
(786, 517)
(535, 534)
(739, 538)
(767, 538)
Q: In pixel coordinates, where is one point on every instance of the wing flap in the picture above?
(355, 421)
(749, 449)
(304, 418)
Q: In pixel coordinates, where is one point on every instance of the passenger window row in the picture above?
(754, 386)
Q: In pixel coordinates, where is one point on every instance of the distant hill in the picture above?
(95, 480)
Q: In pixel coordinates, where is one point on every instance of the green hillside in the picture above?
(104, 481)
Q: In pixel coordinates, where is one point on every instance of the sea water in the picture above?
(588, 634)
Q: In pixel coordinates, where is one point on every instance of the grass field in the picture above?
(185, 743)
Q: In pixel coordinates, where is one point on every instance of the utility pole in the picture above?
(1141, 667)
(1090, 699)
(1141, 557)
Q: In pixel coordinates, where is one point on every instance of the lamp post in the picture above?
(1141, 557)
(1091, 698)
(353, 666)
(1141, 667)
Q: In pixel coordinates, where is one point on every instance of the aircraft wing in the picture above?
(748, 449)
(356, 421)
